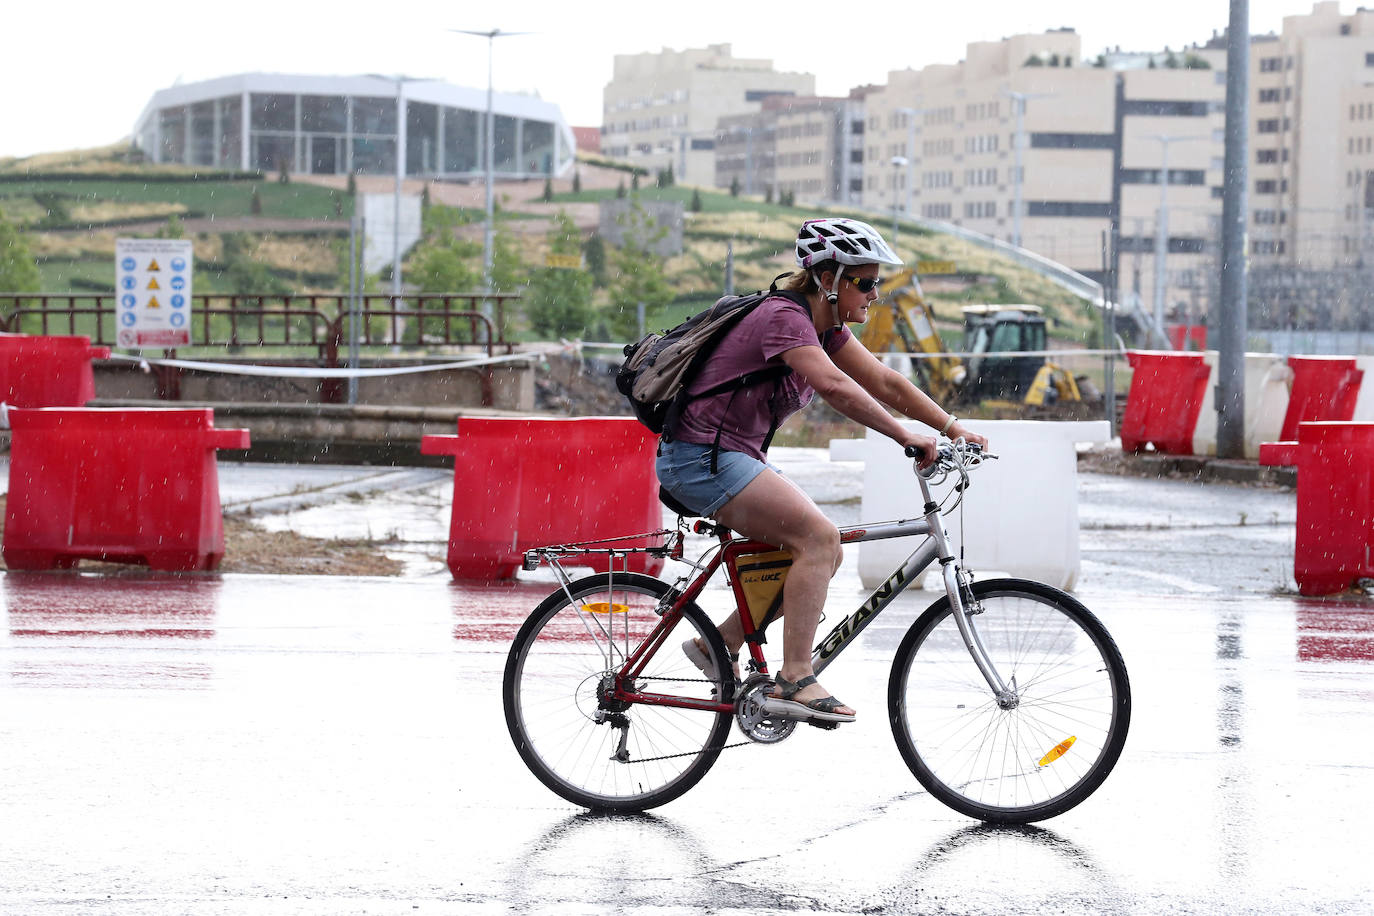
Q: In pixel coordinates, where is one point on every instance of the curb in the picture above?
(1188, 467)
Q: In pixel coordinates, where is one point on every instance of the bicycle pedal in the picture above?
(821, 723)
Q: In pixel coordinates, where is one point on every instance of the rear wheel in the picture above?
(1047, 752)
(574, 736)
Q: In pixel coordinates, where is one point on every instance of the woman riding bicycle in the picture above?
(713, 459)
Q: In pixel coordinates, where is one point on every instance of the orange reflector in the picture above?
(1058, 751)
(605, 607)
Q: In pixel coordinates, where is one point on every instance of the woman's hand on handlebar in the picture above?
(920, 445)
(957, 431)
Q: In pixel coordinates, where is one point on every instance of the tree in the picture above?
(768, 194)
(734, 186)
(255, 203)
(173, 229)
(594, 251)
(696, 201)
(637, 272)
(558, 301)
(577, 182)
(18, 270)
(450, 266)
(1194, 62)
(620, 190)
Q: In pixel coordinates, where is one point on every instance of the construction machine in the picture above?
(902, 320)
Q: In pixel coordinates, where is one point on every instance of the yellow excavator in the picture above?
(902, 321)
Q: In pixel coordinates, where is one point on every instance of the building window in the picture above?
(1266, 155)
(1268, 125)
(1071, 208)
(1167, 108)
(1176, 176)
(1275, 64)
(1072, 141)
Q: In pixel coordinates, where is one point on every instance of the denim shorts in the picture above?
(684, 470)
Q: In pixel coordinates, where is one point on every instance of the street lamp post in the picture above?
(1162, 229)
(910, 114)
(1019, 100)
(898, 163)
(490, 131)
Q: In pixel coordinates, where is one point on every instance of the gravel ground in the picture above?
(252, 549)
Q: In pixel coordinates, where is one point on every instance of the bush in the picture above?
(734, 186)
(18, 271)
(577, 183)
(696, 201)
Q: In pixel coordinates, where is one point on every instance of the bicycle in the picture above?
(1008, 699)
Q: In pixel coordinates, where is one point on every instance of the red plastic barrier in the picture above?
(1324, 388)
(1335, 525)
(130, 486)
(47, 371)
(1166, 396)
(1187, 336)
(520, 483)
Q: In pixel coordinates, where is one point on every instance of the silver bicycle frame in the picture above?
(935, 547)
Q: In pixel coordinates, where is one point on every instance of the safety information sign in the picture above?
(153, 287)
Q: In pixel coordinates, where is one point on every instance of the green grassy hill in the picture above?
(72, 206)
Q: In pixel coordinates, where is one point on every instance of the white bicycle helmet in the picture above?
(847, 241)
(844, 241)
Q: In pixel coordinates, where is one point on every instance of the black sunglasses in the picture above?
(864, 284)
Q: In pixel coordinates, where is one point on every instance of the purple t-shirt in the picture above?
(758, 341)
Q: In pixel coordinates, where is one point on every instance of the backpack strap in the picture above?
(773, 374)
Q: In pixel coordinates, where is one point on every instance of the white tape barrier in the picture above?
(963, 356)
(300, 372)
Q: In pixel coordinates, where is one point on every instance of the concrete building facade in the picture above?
(661, 109)
(340, 125)
(808, 147)
(1311, 138)
(1021, 141)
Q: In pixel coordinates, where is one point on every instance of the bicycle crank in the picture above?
(754, 719)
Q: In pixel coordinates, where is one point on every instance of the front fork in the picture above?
(956, 587)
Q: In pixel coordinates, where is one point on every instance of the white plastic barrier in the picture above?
(1268, 380)
(1364, 403)
(1021, 511)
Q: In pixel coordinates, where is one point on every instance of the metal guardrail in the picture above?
(248, 321)
(319, 321)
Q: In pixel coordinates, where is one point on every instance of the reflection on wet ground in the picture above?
(343, 748)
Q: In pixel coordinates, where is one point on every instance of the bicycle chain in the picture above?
(722, 747)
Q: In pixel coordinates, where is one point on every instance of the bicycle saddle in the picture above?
(667, 499)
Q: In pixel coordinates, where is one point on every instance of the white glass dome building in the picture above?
(336, 125)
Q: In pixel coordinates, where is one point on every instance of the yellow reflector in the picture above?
(605, 607)
(1058, 751)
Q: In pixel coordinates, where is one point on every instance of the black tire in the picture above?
(990, 763)
(553, 673)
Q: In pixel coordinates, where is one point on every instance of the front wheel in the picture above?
(1053, 745)
(583, 743)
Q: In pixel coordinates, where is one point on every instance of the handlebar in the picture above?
(951, 456)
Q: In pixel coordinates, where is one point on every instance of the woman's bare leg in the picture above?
(771, 509)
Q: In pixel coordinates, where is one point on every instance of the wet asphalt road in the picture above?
(254, 744)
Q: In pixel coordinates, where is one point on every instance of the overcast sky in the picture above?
(78, 74)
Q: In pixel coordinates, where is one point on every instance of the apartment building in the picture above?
(1311, 138)
(1021, 141)
(808, 147)
(661, 109)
